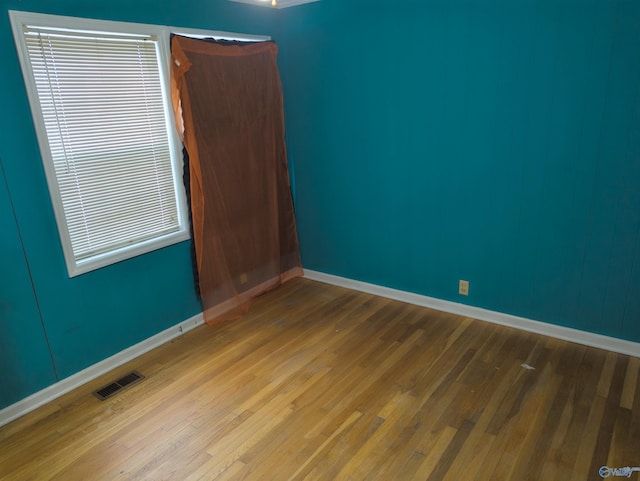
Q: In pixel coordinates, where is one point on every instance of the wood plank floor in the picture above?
(323, 383)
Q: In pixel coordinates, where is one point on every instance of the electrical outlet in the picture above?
(463, 288)
(243, 278)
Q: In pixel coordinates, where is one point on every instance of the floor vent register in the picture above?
(124, 382)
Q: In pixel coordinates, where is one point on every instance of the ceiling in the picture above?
(281, 3)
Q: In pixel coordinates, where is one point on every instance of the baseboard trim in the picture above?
(56, 390)
(559, 332)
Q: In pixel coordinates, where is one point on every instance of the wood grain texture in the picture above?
(322, 383)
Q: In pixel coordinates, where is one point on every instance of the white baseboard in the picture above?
(56, 390)
(565, 333)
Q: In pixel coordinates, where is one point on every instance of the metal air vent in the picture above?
(117, 386)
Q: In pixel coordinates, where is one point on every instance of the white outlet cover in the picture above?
(281, 3)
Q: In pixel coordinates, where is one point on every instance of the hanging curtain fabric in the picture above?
(228, 102)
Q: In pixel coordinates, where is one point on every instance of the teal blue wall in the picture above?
(91, 317)
(491, 140)
(24, 355)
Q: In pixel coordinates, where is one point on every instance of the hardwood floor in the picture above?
(323, 383)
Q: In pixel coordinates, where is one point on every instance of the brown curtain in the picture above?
(229, 110)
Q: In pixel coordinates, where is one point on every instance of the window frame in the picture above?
(19, 19)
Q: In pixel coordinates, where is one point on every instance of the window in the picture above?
(100, 103)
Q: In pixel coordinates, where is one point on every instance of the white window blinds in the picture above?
(102, 101)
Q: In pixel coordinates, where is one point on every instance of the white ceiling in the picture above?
(281, 3)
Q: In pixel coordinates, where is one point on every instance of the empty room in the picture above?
(320, 240)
